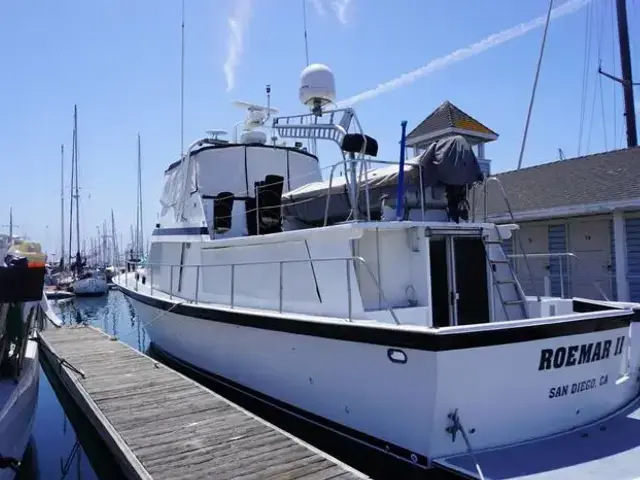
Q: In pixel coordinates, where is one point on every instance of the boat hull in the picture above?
(90, 287)
(394, 398)
(17, 412)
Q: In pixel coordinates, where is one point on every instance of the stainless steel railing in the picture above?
(233, 266)
(507, 203)
(562, 269)
(364, 174)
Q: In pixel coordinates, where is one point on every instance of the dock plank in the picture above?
(160, 424)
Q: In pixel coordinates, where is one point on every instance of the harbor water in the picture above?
(58, 448)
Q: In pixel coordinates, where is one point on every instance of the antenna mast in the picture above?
(304, 21)
(535, 84)
(182, 86)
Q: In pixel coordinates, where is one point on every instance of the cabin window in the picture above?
(222, 211)
(459, 287)
(263, 212)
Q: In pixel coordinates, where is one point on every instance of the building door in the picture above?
(590, 242)
(559, 263)
(534, 241)
(632, 226)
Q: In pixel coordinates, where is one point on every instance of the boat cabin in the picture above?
(236, 188)
(412, 255)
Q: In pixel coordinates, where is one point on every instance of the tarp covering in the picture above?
(448, 162)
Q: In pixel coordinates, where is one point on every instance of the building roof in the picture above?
(448, 116)
(593, 179)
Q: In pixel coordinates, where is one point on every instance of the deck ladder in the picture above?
(505, 282)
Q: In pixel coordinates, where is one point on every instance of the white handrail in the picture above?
(280, 263)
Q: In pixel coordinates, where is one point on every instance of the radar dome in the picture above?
(317, 86)
(253, 136)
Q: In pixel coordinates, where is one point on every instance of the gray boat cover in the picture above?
(449, 162)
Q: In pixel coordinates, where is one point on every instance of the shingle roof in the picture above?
(448, 115)
(610, 176)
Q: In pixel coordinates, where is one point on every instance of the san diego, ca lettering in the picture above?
(572, 355)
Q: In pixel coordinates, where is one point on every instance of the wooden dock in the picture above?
(160, 424)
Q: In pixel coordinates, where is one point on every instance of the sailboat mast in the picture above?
(77, 192)
(140, 234)
(62, 205)
(71, 197)
(627, 77)
(114, 244)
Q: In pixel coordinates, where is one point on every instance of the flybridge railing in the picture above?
(140, 277)
(364, 174)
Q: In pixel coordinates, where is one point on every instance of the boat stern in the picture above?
(533, 381)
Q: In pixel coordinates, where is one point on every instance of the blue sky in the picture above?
(119, 60)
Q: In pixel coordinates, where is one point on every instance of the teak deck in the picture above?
(160, 424)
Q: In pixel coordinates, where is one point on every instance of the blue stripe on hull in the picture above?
(181, 231)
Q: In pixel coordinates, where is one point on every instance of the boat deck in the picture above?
(609, 449)
(160, 424)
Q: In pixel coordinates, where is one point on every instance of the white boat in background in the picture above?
(369, 304)
(91, 283)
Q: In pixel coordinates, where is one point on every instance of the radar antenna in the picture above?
(257, 115)
(215, 134)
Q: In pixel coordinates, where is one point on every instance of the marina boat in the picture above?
(90, 283)
(20, 288)
(87, 281)
(368, 303)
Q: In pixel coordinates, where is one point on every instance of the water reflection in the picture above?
(68, 446)
(58, 453)
(29, 467)
(112, 313)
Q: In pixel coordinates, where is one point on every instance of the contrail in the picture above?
(237, 24)
(340, 7)
(567, 8)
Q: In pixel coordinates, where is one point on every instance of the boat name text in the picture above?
(577, 387)
(551, 358)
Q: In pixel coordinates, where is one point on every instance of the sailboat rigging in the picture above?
(75, 264)
(86, 282)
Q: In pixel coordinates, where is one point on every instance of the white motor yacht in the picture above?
(370, 304)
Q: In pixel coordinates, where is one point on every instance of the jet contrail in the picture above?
(567, 8)
(237, 25)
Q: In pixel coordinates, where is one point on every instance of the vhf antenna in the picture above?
(268, 90)
(304, 21)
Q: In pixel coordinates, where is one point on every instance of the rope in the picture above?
(67, 465)
(9, 462)
(456, 426)
(157, 317)
(70, 366)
